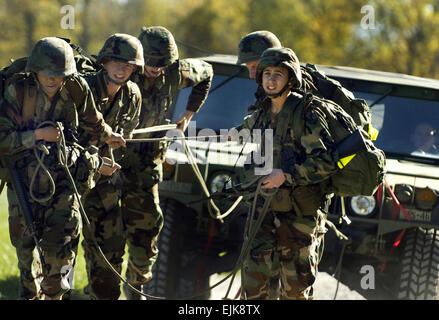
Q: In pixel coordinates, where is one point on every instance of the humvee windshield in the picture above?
(407, 127)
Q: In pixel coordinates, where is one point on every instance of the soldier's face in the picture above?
(274, 79)
(424, 136)
(252, 67)
(153, 72)
(49, 84)
(119, 71)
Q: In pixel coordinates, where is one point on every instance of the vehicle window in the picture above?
(407, 126)
(224, 108)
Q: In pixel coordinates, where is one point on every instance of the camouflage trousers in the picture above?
(58, 230)
(144, 220)
(103, 210)
(118, 219)
(284, 255)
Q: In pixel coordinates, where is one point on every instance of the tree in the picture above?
(404, 40)
(403, 37)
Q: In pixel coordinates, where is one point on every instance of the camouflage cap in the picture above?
(122, 47)
(252, 45)
(280, 57)
(159, 46)
(51, 56)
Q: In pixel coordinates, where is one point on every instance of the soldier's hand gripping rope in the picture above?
(243, 190)
(250, 229)
(62, 156)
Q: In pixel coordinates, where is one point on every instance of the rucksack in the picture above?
(26, 94)
(361, 171)
(85, 64)
(323, 86)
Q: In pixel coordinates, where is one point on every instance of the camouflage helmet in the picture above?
(252, 45)
(51, 56)
(280, 57)
(122, 47)
(159, 46)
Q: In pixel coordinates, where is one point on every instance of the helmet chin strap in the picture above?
(275, 95)
(108, 78)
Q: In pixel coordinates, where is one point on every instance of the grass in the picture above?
(9, 275)
(8, 260)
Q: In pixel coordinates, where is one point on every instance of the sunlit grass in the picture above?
(8, 259)
(9, 274)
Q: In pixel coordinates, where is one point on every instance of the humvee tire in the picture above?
(173, 275)
(420, 265)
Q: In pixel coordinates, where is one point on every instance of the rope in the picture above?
(62, 157)
(247, 240)
(41, 166)
(250, 230)
(337, 272)
(211, 204)
(173, 138)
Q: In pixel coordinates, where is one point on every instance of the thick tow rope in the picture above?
(213, 209)
(250, 231)
(139, 140)
(62, 157)
(216, 213)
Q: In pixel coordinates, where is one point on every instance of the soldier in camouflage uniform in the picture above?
(284, 255)
(119, 100)
(164, 75)
(250, 49)
(51, 70)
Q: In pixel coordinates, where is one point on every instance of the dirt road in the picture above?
(324, 288)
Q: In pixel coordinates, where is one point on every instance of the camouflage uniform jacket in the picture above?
(159, 95)
(121, 114)
(260, 97)
(314, 157)
(20, 141)
(307, 86)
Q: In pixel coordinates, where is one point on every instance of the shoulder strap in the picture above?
(293, 110)
(175, 78)
(76, 90)
(29, 100)
(284, 117)
(299, 115)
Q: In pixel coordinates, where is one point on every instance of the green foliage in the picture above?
(9, 274)
(403, 39)
(8, 261)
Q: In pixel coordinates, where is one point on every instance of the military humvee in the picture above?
(393, 233)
